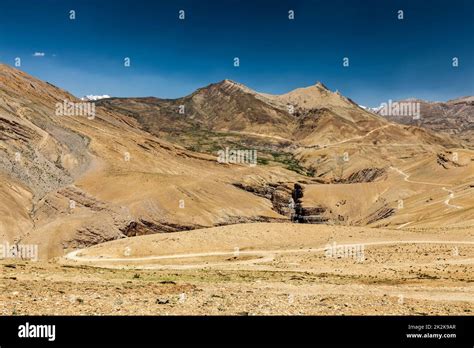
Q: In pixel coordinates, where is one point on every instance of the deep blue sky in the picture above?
(389, 58)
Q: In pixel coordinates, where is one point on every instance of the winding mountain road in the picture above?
(262, 255)
(446, 201)
(345, 140)
(451, 195)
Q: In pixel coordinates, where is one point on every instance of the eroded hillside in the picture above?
(73, 181)
(143, 166)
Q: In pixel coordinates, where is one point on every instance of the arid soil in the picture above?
(133, 213)
(253, 269)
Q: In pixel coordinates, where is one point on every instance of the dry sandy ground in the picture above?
(253, 269)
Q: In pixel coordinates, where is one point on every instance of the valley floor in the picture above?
(253, 269)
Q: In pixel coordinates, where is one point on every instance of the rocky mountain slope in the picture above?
(69, 180)
(319, 134)
(454, 117)
(300, 130)
(141, 166)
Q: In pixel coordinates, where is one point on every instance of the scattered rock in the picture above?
(162, 301)
(167, 282)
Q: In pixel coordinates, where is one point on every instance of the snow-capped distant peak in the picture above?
(370, 109)
(95, 97)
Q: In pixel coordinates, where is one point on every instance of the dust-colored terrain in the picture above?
(453, 117)
(132, 212)
(253, 269)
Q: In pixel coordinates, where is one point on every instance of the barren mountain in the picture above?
(294, 129)
(147, 165)
(224, 106)
(308, 115)
(321, 134)
(454, 117)
(70, 180)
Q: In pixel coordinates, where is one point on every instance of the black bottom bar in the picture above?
(239, 331)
